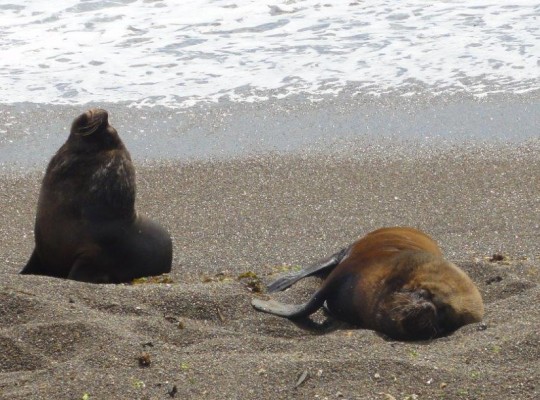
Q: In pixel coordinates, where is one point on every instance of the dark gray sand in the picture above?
(266, 214)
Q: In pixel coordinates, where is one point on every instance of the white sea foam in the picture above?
(178, 53)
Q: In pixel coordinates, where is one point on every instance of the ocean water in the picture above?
(180, 53)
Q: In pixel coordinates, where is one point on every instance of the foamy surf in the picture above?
(180, 53)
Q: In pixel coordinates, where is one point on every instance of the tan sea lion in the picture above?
(394, 281)
(86, 226)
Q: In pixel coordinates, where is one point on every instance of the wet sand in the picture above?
(266, 214)
(30, 133)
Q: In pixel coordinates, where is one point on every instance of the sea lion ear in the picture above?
(88, 122)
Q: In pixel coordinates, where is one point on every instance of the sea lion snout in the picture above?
(100, 114)
(421, 295)
(90, 121)
(410, 314)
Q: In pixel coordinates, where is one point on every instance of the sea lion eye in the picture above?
(423, 294)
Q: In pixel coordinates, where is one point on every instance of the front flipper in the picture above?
(322, 267)
(34, 266)
(92, 267)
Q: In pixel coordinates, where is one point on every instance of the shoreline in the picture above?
(31, 133)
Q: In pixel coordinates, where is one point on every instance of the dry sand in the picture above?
(68, 340)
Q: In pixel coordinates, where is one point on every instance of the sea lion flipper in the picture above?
(290, 311)
(85, 270)
(323, 267)
(34, 266)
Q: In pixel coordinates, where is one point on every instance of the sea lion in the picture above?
(393, 281)
(86, 226)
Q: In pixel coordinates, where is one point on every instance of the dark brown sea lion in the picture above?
(86, 227)
(394, 281)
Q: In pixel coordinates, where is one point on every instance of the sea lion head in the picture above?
(430, 298)
(91, 130)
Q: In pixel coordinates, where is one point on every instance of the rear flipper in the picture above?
(299, 313)
(323, 267)
(292, 311)
(330, 324)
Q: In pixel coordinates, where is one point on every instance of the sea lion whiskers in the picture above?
(416, 310)
(406, 299)
(402, 303)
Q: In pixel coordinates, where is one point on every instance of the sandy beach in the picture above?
(266, 136)
(265, 214)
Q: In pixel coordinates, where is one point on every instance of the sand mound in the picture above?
(62, 339)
